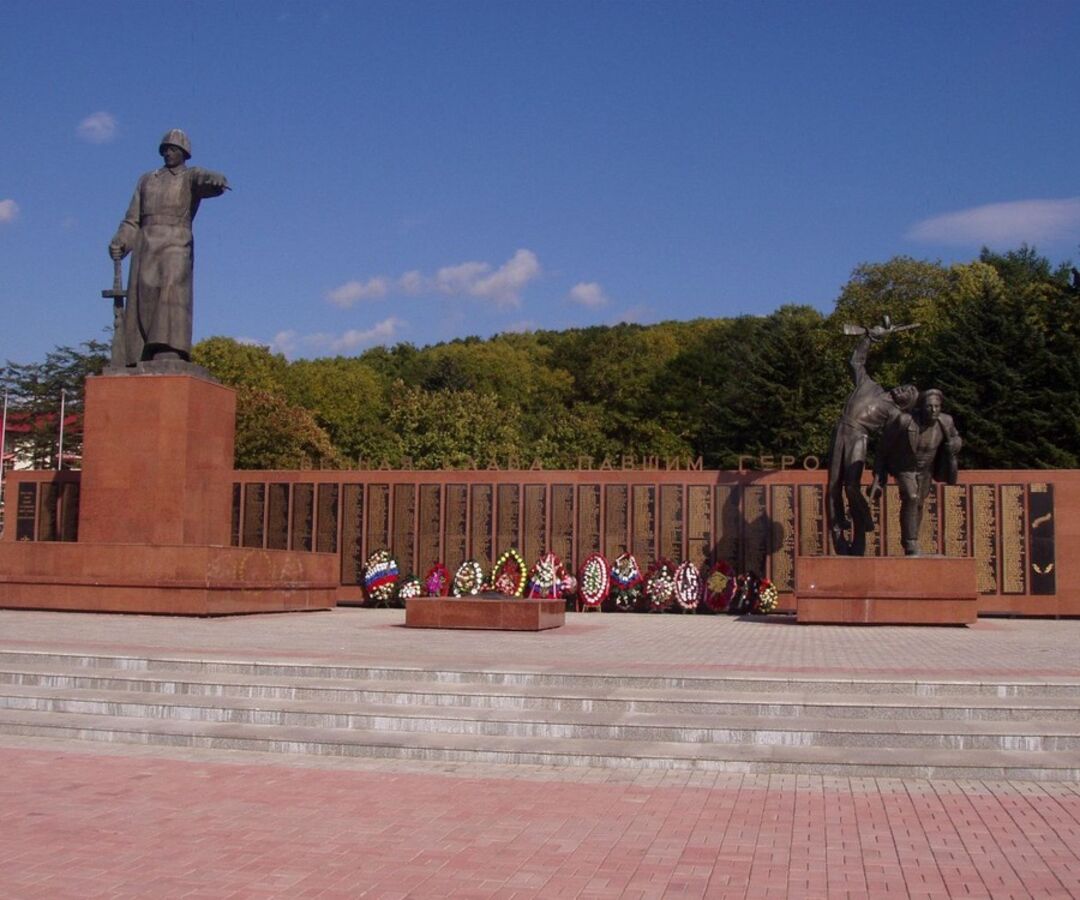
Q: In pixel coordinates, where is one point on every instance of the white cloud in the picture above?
(9, 211)
(1021, 221)
(505, 285)
(412, 283)
(351, 292)
(98, 128)
(292, 344)
(588, 293)
(460, 279)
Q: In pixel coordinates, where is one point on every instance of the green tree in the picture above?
(271, 433)
(241, 365)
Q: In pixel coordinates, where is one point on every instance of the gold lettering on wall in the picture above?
(643, 545)
(588, 531)
(1013, 540)
(984, 536)
(616, 520)
(480, 526)
(783, 529)
(954, 520)
(698, 524)
(811, 520)
(671, 522)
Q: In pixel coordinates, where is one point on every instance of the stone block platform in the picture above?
(486, 613)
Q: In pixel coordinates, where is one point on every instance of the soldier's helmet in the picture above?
(178, 139)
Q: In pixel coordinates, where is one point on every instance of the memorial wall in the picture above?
(1020, 526)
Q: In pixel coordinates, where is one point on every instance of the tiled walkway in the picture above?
(119, 821)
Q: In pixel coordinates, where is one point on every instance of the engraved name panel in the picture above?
(48, 497)
(26, 512)
(277, 516)
(616, 520)
(480, 526)
(404, 540)
(984, 536)
(254, 506)
(671, 522)
(1041, 509)
(756, 529)
(729, 525)
(352, 533)
(303, 515)
(1013, 540)
(377, 518)
(534, 519)
(429, 526)
(783, 528)
(811, 520)
(507, 519)
(955, 534)
(699, 524)
(643, 544)
(588, 521)
(562, 524)
(234, 525)
(457, 526)
(327, 519)
(69, 511)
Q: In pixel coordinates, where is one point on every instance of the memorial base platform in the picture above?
(486, 613)
(886, 590)
(163, 580)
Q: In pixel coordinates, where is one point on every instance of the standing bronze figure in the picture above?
(868, 409)
(917, 450)
(156, 231)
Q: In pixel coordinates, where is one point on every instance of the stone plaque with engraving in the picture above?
(1013, 540)
(303, 516)
(562, 523)
(955, 534)
(428, 529)
(327, 519)
(699, 524)
(26, 512)
(811, 520)
(277, 516)
(508, 518)
(457, 525)
(783, 526)
(377, 518)
(234, 525)
(588, 519)
(616, 520)
(352, 533)
(757, 530)
(1041, 510)
(671, 522)
(48, 497)
(254, 508)
(729, 525)
(533, 523)
(984, 537)
(643, 524)
(403, 541)
(69, 511)
(481, 522)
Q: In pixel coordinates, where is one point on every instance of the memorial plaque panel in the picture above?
(26, 512)
(643, 524)
(671, 522)
(874, 543)
(1041, 510)
(428, 528)
(562, 524)
(984, 536)
(404, 539)
(48, 497)
(480, 524)
(69, 511)
(699, 524)
(327, 519)
(616, 520)
(352, 534)
(507, 519)
(928, 527)
(534, 523)
(303, 516)
(234, 526)
(783, 528)
(955, 534)
(277, 517)
(457, 526)
(894, 542)
(588, 521)
(811, 520)
(254, 508)
(729, 525)
(377, 519)
(1013, 540)
(756, 529)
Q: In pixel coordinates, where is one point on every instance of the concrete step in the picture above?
(733, 682)
(607, 698)
(669, 726)
(754, 758)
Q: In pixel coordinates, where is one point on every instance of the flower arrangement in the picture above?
(408, 587)
(437, 581)
(767, 597)
(660, 585)
(594, 578)
(380, 576)
(719, 587)
(743, 598)
(548, 579)
(687, 586)
(508, 575)
(468, 579)
(626, 581)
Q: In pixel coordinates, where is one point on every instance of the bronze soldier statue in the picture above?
(156, 231)
(916, 450)
(867, 410)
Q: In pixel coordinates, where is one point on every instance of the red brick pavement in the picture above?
(132, 823)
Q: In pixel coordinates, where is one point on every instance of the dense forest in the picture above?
(999, 335)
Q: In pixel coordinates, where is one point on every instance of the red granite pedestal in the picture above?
(486, 613)
(154, 516)
(886, 590)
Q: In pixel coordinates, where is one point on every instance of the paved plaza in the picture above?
(115, 820)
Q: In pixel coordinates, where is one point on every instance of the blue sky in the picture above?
(422, 171)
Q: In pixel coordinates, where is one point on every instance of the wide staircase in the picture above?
(832, 726)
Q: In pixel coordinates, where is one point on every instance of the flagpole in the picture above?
(3, 448)
(60, 457)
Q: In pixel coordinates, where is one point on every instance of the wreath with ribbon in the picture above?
(409, 587)
(719, 587)
(660, 585)
(380, 576)
(508, 575)
(745, 595)
(767, 597)
(687, 586)
(548, 579)
(437, 581)
(594, 578)
(468, 579)
(626, 582)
